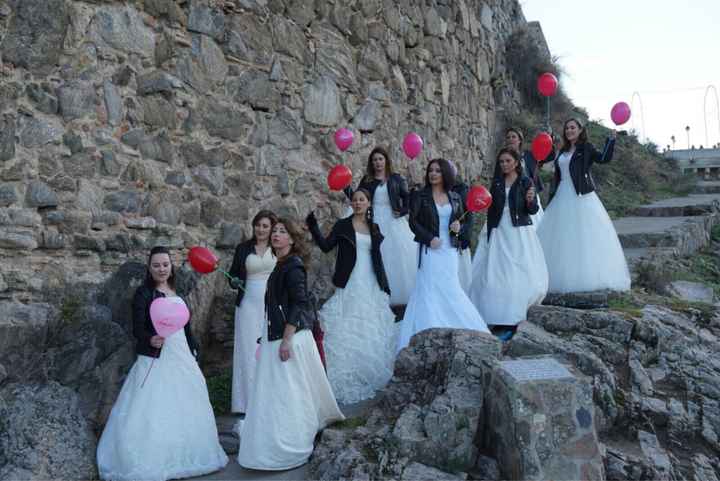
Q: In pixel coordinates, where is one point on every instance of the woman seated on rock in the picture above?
(291, 399)
(162, 425)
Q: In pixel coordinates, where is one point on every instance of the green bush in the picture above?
(220, 391)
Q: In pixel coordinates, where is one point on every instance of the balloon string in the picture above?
(148, 373)
(230, 277)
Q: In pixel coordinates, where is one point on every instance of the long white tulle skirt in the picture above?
(581, 247)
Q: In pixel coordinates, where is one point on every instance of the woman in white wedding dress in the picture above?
(162, 425)
(581, 247)
(291, 399)
(252, 264)
(390, 197)
(360, 329)
(509, 271)
(438, 300)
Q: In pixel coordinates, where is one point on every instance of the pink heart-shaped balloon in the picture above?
(168, 315)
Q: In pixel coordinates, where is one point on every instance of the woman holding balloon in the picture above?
(514, 139)
(252, 264)
(438, 300)
(162, 425)
(390, 197)
(581, 247)
(509, 271)
(360, 330)
(291, 399)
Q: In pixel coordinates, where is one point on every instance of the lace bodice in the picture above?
(260, 267)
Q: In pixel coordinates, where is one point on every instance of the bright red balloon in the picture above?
(541, 146)
(343, 139)
(412, 145)
(339, 177)
(202, 260)
(620, 113)
(547, 84)
(478, 199)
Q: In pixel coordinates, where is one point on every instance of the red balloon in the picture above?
(478, 199)
(202, 260)
(541, 146)
(620, 113)
(547, 84)
(339, 177)
(343, 139)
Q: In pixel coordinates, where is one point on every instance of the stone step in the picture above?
(708, 187)
(692, 205)
(686, 235)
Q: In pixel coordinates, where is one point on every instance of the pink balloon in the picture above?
(168, 315)
(257, 353)
(412, 145)
(620, 113)
(343, 139)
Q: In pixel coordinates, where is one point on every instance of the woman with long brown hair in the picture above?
(291, 399)
(581, 247)
(390, 198)
(252, 264)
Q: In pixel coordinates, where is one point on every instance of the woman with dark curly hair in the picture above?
(438, 299)
(291, 399)
(360, 330)
(390, 196)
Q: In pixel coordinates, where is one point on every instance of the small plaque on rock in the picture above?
(535, 369)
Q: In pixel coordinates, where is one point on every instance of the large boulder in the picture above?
(44, 435)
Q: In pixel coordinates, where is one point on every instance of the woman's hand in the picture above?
(530, 195)
(285, 350)
(157, 342)
(613, 134)
(396, 214)
(435, 243)
(455, 226)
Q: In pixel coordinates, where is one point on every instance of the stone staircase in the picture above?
(672, 227)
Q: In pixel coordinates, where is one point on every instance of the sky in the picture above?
(666, 50)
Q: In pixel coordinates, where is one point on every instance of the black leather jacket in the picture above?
(583, 158)
(286, 298)
(424, 218)
(520, 209)
(143, 328)
(462, 190)
(397, 191)
(531, 166)
(342, 235)
(242, 251)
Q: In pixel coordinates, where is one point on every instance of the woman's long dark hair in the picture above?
(582, 138)
(149, 281)
(299, 247)
(263, 214)
(445, 170)
(370, 171)
(369, 214)
(498, 174)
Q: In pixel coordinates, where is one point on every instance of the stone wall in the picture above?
(129, 124)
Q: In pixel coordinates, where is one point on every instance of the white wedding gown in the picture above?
(249, 321)
(438, 300)
(398, 249)
(166, 428)
(360, 332)
(581, 247)
(509, 272)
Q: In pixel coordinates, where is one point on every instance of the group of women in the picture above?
(398, 247)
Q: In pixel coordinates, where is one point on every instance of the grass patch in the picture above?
(220, 391)
(625, 303)
(350, 423)
(703, 311)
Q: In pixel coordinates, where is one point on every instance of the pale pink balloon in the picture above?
(168, 315)
(412, 145)
(620, 113)
(257, 353)
(343, 139)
